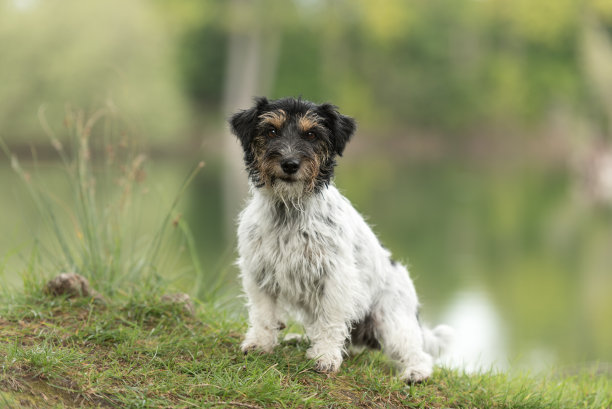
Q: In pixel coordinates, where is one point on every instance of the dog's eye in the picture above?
(272, 133)
(310, 135)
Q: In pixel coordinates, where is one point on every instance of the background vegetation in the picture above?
(483, 156)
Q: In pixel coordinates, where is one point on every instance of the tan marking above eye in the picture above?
(275, 118)
(308, 121)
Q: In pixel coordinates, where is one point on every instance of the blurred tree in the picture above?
(453, 67)
(597, 61)
(250, 57)
(448, 66)
(228, 56)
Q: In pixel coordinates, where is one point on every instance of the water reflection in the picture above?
(480, 338)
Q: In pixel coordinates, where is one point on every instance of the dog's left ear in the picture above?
(342, 126)
(243, 123)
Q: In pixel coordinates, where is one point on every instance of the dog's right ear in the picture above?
(243, 123)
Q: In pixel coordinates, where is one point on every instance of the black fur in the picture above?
(243, 123)
(363, 334)
(342, 126)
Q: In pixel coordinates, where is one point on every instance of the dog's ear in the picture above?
(341, 126)
(243, 123)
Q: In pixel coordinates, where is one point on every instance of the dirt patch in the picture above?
(37, 393)
(181, 299)
(72, 285)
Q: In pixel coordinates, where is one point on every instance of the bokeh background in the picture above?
(483, 156)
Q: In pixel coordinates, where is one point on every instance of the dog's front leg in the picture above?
(328, 331)
(263, 320)
(327, 346)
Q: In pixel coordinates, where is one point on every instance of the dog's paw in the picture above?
(327, 366)
(416, 375)
(418, 370)
(247, 347)
(262, 340)
(326, 362)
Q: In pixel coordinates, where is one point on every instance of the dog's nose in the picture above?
(290, 166)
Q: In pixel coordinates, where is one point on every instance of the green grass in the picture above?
(57, 352)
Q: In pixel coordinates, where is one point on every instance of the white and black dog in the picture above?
(305, 252)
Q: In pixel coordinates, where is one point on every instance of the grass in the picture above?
(136, 351)
(75, 353)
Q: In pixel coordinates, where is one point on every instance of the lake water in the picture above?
(513, 257)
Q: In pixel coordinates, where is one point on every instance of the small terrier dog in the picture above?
(305, 252)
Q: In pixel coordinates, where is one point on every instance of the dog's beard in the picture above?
(290, 194)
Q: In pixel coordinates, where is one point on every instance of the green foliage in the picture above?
(433, 64)
(202, 58)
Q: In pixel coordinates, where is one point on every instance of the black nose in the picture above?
(290, 166)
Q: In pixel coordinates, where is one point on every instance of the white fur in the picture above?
(313, 257)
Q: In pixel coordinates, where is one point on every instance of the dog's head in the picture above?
(290, 145)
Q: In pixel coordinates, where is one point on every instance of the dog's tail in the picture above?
(436, 341)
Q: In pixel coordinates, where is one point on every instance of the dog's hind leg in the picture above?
(401, 336)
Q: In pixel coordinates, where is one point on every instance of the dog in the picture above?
(306, 253)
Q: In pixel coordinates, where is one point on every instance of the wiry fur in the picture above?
(306, 252)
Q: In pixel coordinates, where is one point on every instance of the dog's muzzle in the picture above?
(290, 166)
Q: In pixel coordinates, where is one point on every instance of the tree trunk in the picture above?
(251, 64)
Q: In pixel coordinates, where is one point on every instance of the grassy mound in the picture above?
(79, 353)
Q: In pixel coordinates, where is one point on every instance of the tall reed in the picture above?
(95, 231)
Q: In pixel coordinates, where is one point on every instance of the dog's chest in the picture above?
(292, 257)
